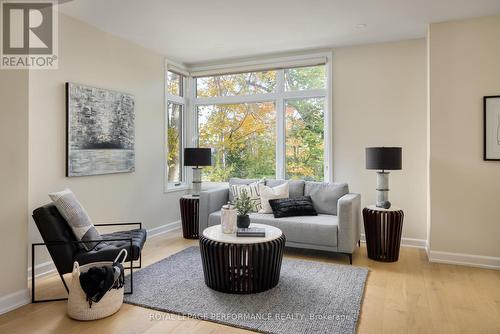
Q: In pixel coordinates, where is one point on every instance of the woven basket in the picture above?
(78, 306)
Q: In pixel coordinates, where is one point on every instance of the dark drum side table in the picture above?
(189, 216)
(383, 229)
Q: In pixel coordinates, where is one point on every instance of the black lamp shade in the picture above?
(384, 158)
(197, 156)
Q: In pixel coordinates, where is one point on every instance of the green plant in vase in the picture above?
(244, 206)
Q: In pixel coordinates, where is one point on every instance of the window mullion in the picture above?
(255, 98)
(189, 124)
(280, 125)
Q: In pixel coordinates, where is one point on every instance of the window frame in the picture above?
(183, 101)
(279, 97)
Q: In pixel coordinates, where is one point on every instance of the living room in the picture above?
(353, 135)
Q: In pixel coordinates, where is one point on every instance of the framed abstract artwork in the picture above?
(99, 131)
(491, 128)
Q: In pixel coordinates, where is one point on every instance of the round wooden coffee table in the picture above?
(241, 264)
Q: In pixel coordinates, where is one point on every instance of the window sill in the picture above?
(173, 189)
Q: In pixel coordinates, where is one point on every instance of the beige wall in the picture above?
(95, 58)
(13, 181)
(464, 67)
(379, 99)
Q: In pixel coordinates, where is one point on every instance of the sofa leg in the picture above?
(350, 256)
(359, 243)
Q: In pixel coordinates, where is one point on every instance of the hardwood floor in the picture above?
(409, 296)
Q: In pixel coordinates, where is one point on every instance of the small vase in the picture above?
(228, 219)
(243, 221)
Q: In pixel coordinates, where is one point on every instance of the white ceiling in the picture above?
(194, 31)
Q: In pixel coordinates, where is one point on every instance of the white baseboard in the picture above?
(47, 268)
(406, 242)
(14, 300)
(154, 232)
(479, 261)
(42, 270)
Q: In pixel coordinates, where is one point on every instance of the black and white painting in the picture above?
(492, 128)
(100, 131)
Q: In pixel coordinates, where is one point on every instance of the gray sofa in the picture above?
(335, 229)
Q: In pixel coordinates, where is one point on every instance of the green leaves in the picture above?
(243, 203)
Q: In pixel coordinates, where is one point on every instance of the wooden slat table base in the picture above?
(383, 234)
(189, 217)
(242, 268)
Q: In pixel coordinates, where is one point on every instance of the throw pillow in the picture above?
(325, 195)
(238, 181)
(289, 207)
(268, 193)
(76, 216)
(252, 190)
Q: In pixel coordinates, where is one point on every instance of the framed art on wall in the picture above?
(99, 131)
(491, 128)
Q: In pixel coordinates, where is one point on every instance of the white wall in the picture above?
(465, 190)
(13, 187)
(379, 99)
(92, 57)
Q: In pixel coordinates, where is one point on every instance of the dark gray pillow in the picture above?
(325, 195)
(290, 207)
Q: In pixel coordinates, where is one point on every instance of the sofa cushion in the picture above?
(325, 195)
(237, 180)
(316, 230)
(108, 250)
(295, 187)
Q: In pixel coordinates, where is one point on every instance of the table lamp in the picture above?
(383, 159)
(197, 157)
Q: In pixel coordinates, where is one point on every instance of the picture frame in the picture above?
(491, 109)
(100, 131)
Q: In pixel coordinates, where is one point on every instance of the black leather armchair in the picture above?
(65, 249)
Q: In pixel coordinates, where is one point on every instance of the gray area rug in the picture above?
(311, 297)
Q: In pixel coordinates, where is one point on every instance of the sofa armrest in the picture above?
(211, 200)
(349, 220)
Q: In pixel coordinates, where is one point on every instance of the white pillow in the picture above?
(252, 190)
(76, 216)
(267, 193)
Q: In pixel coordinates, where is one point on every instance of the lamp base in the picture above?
(197, 181)
(383, 190)
(383, 205)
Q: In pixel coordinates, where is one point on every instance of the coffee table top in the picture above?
(214, 233)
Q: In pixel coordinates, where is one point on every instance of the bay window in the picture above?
(270, 122)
